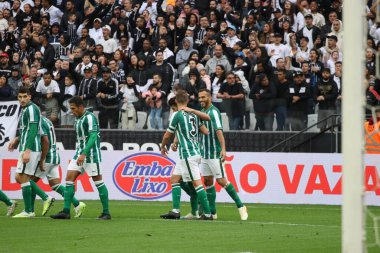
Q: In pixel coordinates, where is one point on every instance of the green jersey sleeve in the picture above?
(216, 120)
(173, 123)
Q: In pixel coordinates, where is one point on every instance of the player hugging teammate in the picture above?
(207, 150)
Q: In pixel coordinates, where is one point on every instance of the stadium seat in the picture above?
(274, 127)
(141, 120)
(253, 121)
(225, 121)
(312, 119)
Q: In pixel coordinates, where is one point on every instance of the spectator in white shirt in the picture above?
(49, 92)
(109, 44)
(86, 62)
(231, 38)
(318, 18)
(54, 13)
(96, 32)
(275, 50)
(151, 7)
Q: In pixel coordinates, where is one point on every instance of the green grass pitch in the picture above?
(136, 227)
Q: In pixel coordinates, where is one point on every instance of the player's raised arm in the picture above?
(201, 115)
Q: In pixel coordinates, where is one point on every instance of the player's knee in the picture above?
(222, 182)
(22, 178)
(174, 180)
(54, 181)
(208, 181)
(17, 178)
(70, 177)
(34, 178)
(97, 178)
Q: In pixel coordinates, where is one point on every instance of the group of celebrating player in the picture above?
(198, 137)
(39, 158)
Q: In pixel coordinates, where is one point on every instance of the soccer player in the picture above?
(185, 124)
(30, 149)
(48, 167)
(186, 186)
(86, 159)
(11, 204)
(213, 152)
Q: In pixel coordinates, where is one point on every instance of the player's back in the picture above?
(48, 130)
(84, 126)
(210, 145)
(186, 126)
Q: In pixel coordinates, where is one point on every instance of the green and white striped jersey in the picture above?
(83, 127)
(210, 145)
(186, 127)
(31, 115)
(47, 128)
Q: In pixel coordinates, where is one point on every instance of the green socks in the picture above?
(26, 195)
(103, 194)
(4, 198)
(193, 199)
(203, 199)
(39, 192)
(189, 189)
(232, 192)
(68, 196)
(60, 189)
(211, 196)
(176, 196)
(185, 186)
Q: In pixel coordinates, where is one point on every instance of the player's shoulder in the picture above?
(213, 111)
(33, 107)
(45, 121)
(90, 117)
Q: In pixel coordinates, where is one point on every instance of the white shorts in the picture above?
(188, 168)
(30, 167)
(51, 171)
(213, 167)
(92, 169)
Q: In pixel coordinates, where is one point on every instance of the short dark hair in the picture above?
(47, 73)
(76, 101)
(23, 90)
(157, 74)
(172, 102)
(205, 90)
(182, 97)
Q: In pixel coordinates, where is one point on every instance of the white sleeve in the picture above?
(73, 90)
(56, 87)
(142, 8)
(38, 89)
(300, 21)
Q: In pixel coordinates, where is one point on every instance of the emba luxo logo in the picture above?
(144, 176)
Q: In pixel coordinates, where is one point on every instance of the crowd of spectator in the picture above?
(278, 60)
